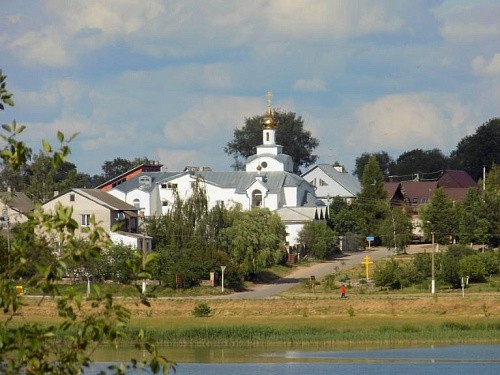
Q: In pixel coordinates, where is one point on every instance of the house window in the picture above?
(85, 222)
(423, 200)
(256, 198)
(72, 197)
(415, 200)
(137, 203)
(164, 203)
(267, 136)
(171, 186)
(163, 186)
(144, 180)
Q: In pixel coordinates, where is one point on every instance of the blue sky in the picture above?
(171, 80)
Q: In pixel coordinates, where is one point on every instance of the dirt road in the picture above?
(262, 291)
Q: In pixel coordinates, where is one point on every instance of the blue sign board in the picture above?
(370, 238)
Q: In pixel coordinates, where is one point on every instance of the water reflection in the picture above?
(443, 360)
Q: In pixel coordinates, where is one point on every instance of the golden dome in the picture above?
(268, 122)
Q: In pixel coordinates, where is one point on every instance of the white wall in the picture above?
(333, 189)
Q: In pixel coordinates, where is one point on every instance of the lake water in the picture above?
(442, 360)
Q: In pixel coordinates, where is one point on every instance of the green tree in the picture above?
(395, 274)
(385, 163)
(319, 240)
(118, 166)
(419, 161)
(469, 213)
(448, 264)
(478, 150)
(296, 142)
(493, 179)
(371, 202)
(257, 239)
(31, 348)
(396, 229)
(438, 217)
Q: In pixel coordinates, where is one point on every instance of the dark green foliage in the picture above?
(395, 229)
(418, 161)
(384, 160)
(422, 263)
(479, 150)
(257, 239)
(470, 213)
(319, 240)
(439, 217)
(297, 142)
(202, 310)
(394, 274)
(27, 348)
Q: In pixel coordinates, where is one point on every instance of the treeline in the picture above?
(39, 179)
(472, 154)
(474, 220)
(458, 264)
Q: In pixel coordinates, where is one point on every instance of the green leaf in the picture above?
(46, 146)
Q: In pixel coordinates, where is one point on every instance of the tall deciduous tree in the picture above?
(469, 213)
(318, 239)
(418, 161)
(438, 217)
(372, 198)
(28, 347)
(395, 229)
(257, 239)
(385, 163)
(296, 142)
(479, 150)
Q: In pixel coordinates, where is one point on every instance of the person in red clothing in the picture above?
(342, 291)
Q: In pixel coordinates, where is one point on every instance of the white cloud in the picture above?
(45, 48)
(482, 67)
(404, 122)
(315, 18)
(314, 84)
(470, 20)
(177, 160)
(211, 118)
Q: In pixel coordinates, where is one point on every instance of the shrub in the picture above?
(202, 310)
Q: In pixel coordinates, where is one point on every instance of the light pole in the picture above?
(433, 278)
(88, 284)
(5, 213)
(394, 231)
(222, 281)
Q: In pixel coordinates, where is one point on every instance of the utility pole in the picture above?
(433, 277)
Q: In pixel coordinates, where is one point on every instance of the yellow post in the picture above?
(20, 290)
(367, 263)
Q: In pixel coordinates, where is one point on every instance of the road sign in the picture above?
(370, 238)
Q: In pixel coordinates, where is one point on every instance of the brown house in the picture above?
(415, 194)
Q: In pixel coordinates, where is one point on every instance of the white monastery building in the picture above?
(268, 182)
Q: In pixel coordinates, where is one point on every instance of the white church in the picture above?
(268, 182)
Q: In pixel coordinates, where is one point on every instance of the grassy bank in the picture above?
(310, 320)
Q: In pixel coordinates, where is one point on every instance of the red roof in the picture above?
(418, 192)
(146, 167)
(456, 179)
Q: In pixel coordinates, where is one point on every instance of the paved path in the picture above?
(262, 291)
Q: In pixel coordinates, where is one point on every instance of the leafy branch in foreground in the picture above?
(65, 347)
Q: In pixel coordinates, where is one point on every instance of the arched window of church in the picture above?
(256, 198)
(267, 136)
(137, 203)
